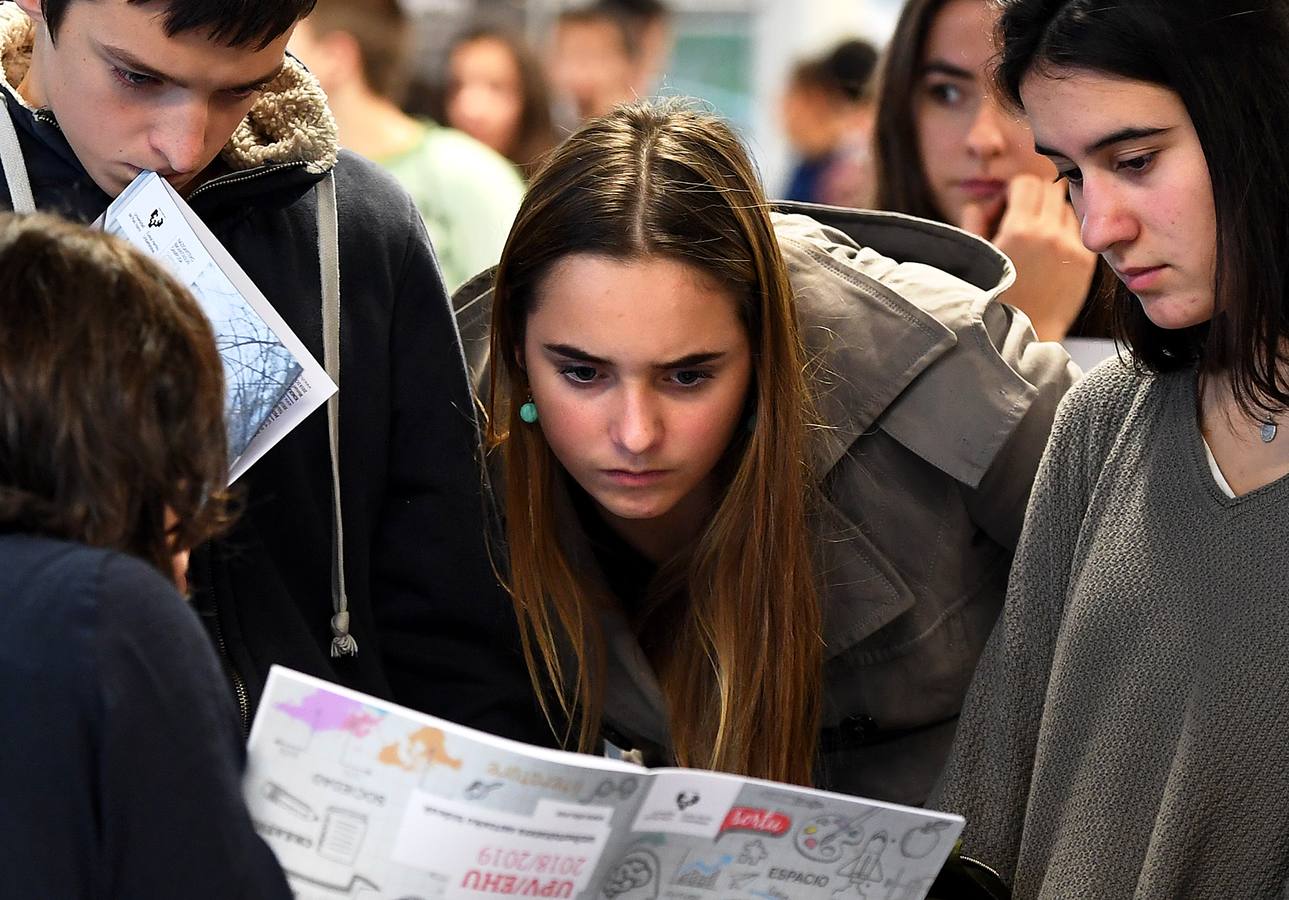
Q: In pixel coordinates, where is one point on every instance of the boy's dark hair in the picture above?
(235, 23)
(845, 72)
(852, 64)
(643, 12)
(111, 396)
(1227, 62)
(384, 36)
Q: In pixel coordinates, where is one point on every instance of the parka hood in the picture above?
(885, 300)
(289, 123)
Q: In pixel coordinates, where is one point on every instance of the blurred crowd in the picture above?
(908, 128)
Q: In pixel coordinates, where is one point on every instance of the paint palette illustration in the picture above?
(827, 838)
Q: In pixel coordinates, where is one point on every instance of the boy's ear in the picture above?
(33, 8)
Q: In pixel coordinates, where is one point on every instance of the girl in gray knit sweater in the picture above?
(1126, 731)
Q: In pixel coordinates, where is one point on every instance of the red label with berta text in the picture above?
(760, 821)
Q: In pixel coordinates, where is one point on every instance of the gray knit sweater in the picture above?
(1127, 732)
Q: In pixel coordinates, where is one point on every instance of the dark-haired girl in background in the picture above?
(1126, 731)
(827, 112)
(947, 150)
(496, 92)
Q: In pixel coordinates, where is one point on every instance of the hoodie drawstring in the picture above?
(15, 167)
(342, 642)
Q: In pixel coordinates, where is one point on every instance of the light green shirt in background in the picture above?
(468, 195)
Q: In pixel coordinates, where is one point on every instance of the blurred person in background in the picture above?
(947, 150)
(496, 92)
(121, 739)
(593, 62)
(650, 21)
(467, 193)
(827, 113)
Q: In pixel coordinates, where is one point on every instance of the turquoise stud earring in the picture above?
(528, 412)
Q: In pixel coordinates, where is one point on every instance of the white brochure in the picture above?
(362, 798)
(272, 382)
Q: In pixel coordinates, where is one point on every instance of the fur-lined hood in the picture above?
(289, 123)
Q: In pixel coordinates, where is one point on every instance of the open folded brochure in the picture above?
(271, 380)
(362, 798)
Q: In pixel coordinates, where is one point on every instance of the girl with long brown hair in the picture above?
(497, 93)
(751, 524)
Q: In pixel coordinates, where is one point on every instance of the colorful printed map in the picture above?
(324, 711)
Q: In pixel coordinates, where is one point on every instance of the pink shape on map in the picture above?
(324, 711)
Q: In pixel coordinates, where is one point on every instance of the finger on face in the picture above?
(1025, 196)
(981, 219)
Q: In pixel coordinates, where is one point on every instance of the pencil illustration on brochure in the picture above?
(362, 798)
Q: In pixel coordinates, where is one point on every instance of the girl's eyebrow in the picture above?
(693, 359)
(568, 351)
(1115, 137)
(940, 67)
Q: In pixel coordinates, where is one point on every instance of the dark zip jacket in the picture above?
(122, 752)
(433, 628)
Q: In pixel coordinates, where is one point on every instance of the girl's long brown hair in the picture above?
(740, 655)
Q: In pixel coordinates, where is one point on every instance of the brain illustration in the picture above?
(635, 878)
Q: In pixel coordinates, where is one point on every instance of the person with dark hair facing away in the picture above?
(359, 51)
(1125, 733)
(827, 112)
(760, 480)
(122, 749)
(496, 92)
(947, 149)
(384, 583)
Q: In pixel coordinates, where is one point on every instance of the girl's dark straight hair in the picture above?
(1229, 65)
(901, 176)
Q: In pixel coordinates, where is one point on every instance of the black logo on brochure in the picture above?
(685, 799)
(156, 220)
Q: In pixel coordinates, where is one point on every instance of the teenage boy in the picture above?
(201, 92)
